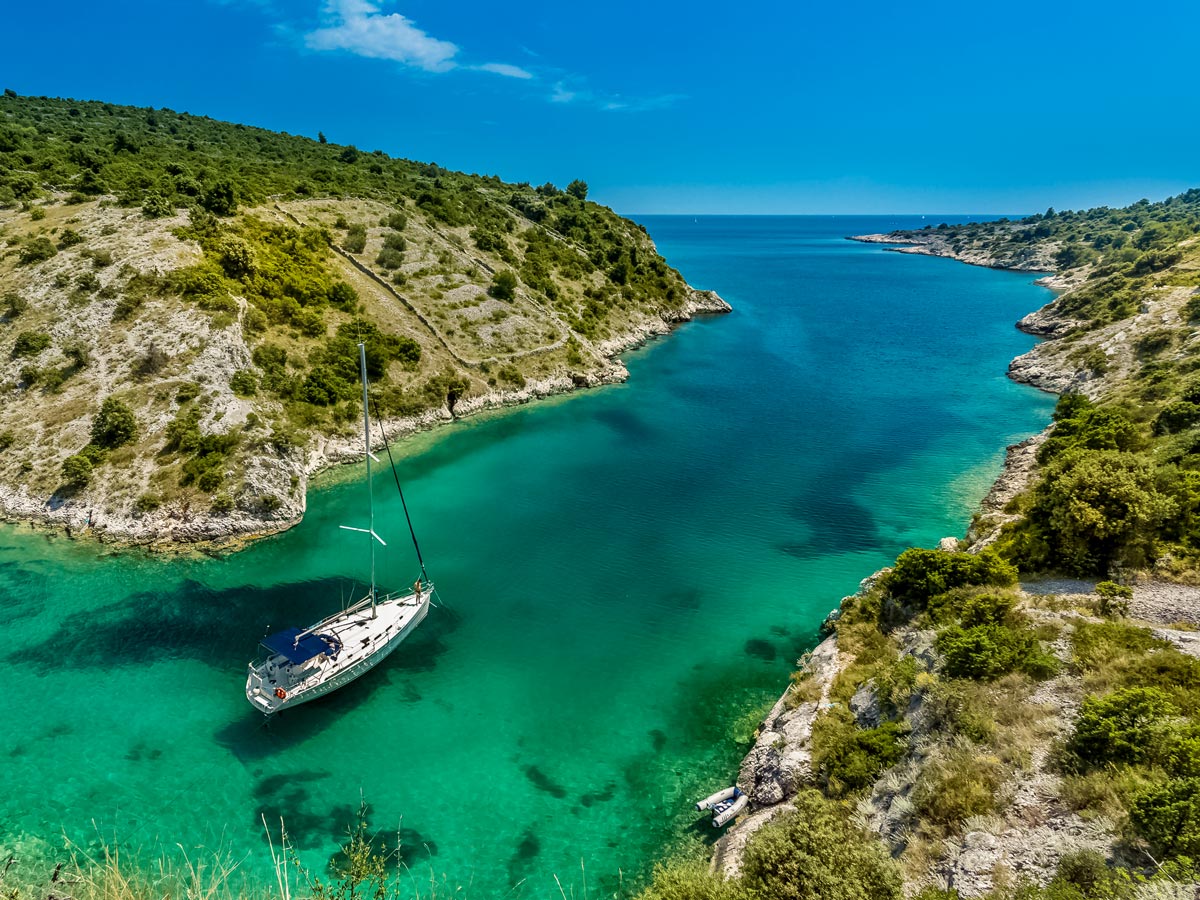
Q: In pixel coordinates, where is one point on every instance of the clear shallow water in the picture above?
(628, 575)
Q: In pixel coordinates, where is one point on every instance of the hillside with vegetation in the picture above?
(1118, 475)
(181, 299)
(1016, 714)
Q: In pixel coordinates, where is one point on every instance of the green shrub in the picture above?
(77, 470)
(114, 425)
(389, 258)
(920, 574)
(1177, 416)
(69, 238)
(206, 467)
(341, 351)
(78, 353)
(1096, 508)
(1153, 343)
(343, 295)
(1168, 817)
(847, 758)
(815, 853)
(356, 238)
(7, 439)
(1114, 598)
(244, 383)
(989, 608)
(1081, 425)
(512, 375)
(323, 386)
(30, 343)
(691, 880)
(1087, 871)
(985, 652)
(95, 454)
(186, 392)
(1170, 670)
(183, 433)
(222, 503)
(220, 199)
(101, 259)
(156, 206)
(147, 503)
(87, 283)
(36, 250)
(395, 221)
(126, 307)
(14, 304)
(235, 256)
(52, 379)
(1132, 725)
(504, 286)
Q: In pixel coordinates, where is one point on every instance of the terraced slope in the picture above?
(209, 282)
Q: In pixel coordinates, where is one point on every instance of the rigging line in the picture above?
(387, 446)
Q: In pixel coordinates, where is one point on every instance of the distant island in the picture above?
(180, 300)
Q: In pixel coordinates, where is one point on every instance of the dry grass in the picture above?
(106, 872)
(802, 688)
(1107, 793)
(869, 648)
(1020, 725)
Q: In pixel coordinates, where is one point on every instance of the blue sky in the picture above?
(851, 107)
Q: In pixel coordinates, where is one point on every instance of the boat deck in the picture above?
(365, 641)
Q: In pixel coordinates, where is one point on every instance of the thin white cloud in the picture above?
(505, 69)
(617, 103)
(562, 95)
(362, 27)
(359, 27)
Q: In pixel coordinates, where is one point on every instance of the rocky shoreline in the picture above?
(781, 756)
(177, 528)
(1036, 258)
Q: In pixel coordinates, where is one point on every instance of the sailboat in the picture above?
(306, 663)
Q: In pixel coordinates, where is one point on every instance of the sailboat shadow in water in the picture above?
(192, 621)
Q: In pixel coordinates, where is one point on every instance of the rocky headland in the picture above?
(1033, 826)
(206, 284)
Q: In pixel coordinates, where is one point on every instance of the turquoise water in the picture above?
(628, 575)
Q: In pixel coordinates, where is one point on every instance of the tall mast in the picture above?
(369, 531)
(362, 363)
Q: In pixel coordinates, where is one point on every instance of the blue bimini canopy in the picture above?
(297, 649)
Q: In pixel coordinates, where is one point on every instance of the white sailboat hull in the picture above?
(365, 642)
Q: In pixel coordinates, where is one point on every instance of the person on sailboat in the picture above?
(417, 589)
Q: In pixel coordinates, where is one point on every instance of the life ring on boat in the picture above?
(280, 693)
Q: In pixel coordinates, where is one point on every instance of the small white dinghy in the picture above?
(726, 805)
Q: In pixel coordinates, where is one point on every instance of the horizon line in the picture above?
(825, 215)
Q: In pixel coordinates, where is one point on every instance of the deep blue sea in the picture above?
(628, 574)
